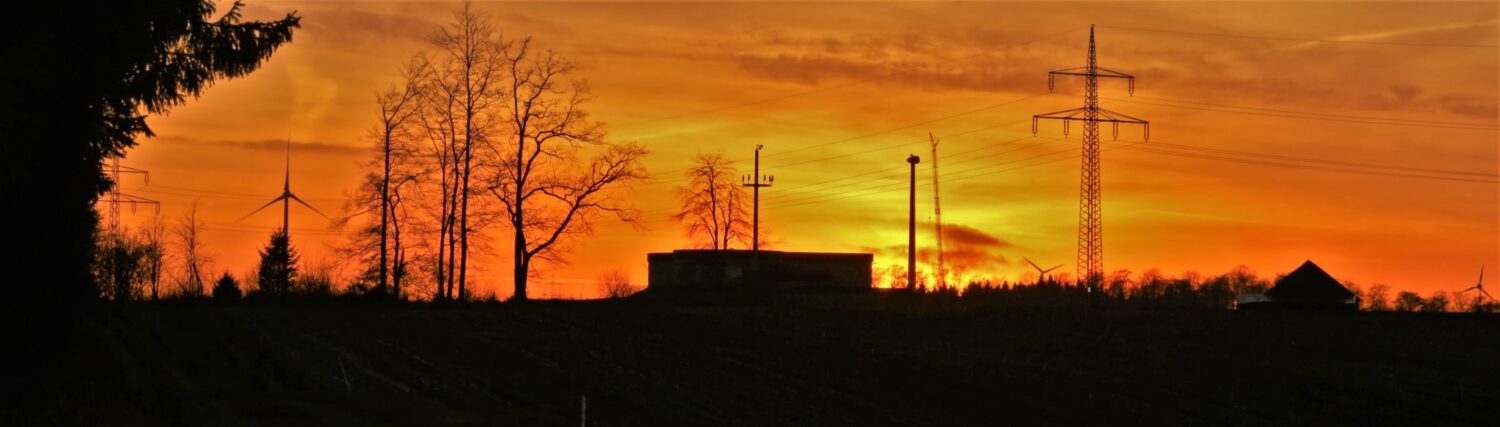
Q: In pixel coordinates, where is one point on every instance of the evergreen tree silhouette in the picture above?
(278, 265)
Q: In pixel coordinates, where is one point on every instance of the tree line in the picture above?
(1152, 288)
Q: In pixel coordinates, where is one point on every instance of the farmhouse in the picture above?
(741, 269)
(1306, 288)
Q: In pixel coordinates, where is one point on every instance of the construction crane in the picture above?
(937, 216)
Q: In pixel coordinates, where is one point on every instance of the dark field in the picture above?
(807, 360)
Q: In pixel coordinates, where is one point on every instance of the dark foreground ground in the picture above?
(809, 360)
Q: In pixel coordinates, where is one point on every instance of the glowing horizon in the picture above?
(841, 93)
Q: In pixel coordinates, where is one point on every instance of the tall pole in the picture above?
(911, 227)
(755, 184)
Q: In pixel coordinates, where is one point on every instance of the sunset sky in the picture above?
(1361, 136)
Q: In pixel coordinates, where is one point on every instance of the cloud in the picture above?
(965, 248)
(965, 235)
(277, 145)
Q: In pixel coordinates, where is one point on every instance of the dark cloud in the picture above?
(965, 248)
(965, 235)
(278, 145)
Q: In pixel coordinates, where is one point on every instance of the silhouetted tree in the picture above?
(462, 87)
(226, 288)
(278, 265)
(548, 187)
(1408, 301)
(80, 80)
(154, 237)
(1377, 298)
(1436, 303)
(713, 210)
(120, 266)
(195, 257)
(396, 108)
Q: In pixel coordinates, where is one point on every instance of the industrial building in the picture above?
(743, 269)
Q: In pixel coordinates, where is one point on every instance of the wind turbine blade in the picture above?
(1033, 265)
(299, 200)
(1055, 267)
(1481, 274)
(263, 207)
(1486, 293)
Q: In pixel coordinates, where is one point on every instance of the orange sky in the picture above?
(849, 90)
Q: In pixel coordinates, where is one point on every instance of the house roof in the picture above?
(1309, 283)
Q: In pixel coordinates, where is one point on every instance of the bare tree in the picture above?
(154, 236)
(545, 181)
(392, 137)
(713, 204)
(194, 257)
(460, 97)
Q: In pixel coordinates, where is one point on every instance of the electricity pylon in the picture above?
(117, 198)
(937, 215)
(1090, 225)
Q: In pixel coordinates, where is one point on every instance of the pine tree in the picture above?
(278, 265)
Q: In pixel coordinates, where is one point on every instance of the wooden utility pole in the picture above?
(755, 182)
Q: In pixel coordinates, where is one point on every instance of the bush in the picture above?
(615, 284)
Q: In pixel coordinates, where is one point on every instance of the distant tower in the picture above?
(1090, 225)
(117, 198)
(941, 275)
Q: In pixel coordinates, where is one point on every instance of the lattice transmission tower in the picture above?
(1090, 227)
(115, 198)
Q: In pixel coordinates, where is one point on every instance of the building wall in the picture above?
(728, 269)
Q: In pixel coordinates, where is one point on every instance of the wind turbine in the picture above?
(286, 197)
(1041, 273)
(1479, 286)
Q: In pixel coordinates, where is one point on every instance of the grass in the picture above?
(800, 360)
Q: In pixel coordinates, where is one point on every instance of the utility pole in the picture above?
(1090, 224)
(755, 183)
(911, 228)
(941, 275)
(117, 198)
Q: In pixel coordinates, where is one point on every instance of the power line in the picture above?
(1206, 156)
(1280, 38)
(910, 126)
(837, 86)
(1346, 116)
(1304, 117)
(1314, 160)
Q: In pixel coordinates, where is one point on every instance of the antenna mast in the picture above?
(1090, 224)
(937, 214)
